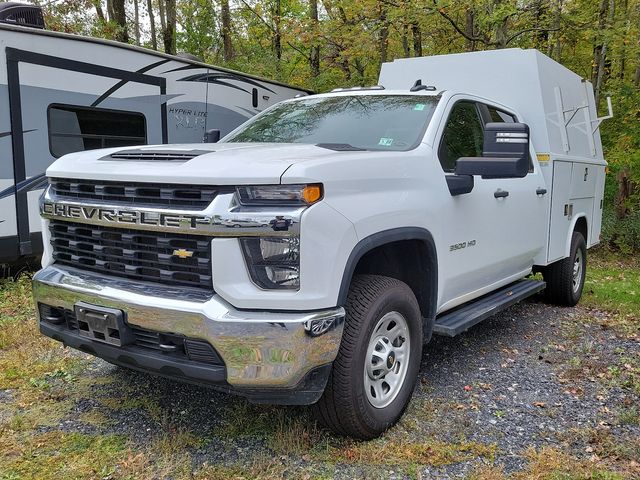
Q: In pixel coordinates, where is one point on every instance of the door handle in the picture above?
(541, 191)
(500, 193)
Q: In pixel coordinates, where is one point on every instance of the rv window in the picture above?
(72, 129)
(463, 135)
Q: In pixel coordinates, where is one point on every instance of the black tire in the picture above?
(344, 406)
(559, 276)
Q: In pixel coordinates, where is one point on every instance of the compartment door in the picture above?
(596, 219)
(560, 204)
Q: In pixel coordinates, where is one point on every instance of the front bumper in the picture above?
(272, 357)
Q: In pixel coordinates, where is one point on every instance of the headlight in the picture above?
(273, 262)
(279, 194)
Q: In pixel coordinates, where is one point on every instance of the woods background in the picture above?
(322, 44)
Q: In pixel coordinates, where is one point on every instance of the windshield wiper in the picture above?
(341, 147)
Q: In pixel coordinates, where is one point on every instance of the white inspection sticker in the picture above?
(419, 106)
(385, 142)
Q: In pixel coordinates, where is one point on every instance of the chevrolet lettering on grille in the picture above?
(128, 217)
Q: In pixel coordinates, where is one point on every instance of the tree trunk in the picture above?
(600, 50)
(469, 30)
(136, 21)
(99, 11)
(542, 34)
(623, 47)
(152, 24)
(117, 14)
(384, 34)
(405, 41)
(417, 39)
(169, 33)
(625, 190)
(227, 46)
(502, 33)
(555, 48)
(277, 35)
(314, 52)
(163, 16)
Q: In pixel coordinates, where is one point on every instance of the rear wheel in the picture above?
(375, 371)
(565, 278)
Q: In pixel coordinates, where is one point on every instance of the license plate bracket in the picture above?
(101, 324)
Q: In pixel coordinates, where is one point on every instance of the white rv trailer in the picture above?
(62, 93)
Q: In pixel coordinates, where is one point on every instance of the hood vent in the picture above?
(156, 155)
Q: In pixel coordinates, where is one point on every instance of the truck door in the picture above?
(492, 233)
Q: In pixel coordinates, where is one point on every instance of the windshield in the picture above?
(368, 122)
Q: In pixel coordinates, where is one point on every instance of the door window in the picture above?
(498, 116)
(463, 135)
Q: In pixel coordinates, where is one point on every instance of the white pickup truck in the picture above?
(309, 256)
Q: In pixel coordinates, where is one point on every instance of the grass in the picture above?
(613, 285)
(42, 386)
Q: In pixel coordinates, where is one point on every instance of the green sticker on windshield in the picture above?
(385, 142)
(419, 106)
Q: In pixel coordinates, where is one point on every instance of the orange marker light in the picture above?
(312, 193)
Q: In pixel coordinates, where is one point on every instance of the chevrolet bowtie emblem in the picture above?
(182, 253)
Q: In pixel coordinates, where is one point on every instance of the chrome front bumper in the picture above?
(262, 350)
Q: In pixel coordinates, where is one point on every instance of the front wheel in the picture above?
(565, 278)
(375, 372)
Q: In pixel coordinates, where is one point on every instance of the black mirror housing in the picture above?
(459, 184)
(211, 136)
(505, 153)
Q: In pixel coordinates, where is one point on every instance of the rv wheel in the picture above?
(375, 372)
(565, 278)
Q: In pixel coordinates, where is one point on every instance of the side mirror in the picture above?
(505, 153)
(211, 136)
(459, 184)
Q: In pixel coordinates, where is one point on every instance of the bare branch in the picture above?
(271, 27)
(527, 30)
(458, 29)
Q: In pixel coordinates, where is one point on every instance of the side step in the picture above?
(466, 316)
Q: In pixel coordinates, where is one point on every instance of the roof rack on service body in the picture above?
(355, 89)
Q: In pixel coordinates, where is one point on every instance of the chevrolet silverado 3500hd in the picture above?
(308, 256)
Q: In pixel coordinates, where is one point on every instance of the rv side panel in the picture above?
(8, 232)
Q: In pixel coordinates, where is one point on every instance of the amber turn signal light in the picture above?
(312, 193)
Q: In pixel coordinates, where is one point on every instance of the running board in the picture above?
(463, 318)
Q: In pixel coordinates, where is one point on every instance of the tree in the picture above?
(117, 14)
(152, 25)
(225, 16)
(169, 30)
(314, 49)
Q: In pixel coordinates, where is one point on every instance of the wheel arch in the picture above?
(578, 224)
(380, 254)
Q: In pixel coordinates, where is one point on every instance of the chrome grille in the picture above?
(134, 254)
(189, 197)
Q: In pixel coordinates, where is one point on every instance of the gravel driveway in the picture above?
(533, 376)
(535, 387)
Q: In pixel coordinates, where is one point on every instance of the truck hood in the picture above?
(214, 164)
